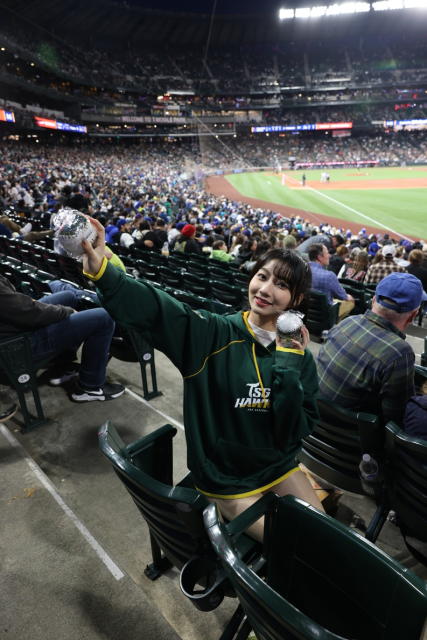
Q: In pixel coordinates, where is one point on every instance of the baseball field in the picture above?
(381, 200)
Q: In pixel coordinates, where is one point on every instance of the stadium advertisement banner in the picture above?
(409, 125)
(7, 116)
(329, 126)
(47, 123)
(317, 126)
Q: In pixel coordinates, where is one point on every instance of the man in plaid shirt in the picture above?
(366, 365)
(376, 272)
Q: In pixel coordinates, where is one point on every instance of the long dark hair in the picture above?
(292, 269)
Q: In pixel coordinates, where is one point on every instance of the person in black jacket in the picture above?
(56, 328)
(186, 242)
(415, 420)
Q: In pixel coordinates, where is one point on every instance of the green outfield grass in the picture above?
(398, 210)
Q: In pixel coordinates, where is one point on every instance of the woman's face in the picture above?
(268, 296)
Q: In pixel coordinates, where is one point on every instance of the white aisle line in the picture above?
(164, 415)
(41, 476)
(363, 215)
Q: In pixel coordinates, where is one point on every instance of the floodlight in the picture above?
(302, 12)
(387, 5)
(286, 14)
(317, 12)
(415, 4)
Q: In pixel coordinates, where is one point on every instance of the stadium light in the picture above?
(286, 14)
(302, 12)
(392, 5)
(347, 8)
(317, 12)
(387, 5)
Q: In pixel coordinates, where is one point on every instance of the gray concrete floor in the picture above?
(73, 546)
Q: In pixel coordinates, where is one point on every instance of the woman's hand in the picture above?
(94, 255)
(296, 344)
(305, 339)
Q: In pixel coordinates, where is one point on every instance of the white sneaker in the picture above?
(107, 392)
(26, 228)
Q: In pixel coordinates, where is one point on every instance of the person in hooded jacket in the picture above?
(248, 400)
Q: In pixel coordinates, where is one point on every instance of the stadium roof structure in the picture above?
(165, 23)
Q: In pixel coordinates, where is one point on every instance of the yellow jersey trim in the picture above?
(245, 316)
(298, 351)
(100, 272)
(258, 371)
(214, 353)
(250, 493)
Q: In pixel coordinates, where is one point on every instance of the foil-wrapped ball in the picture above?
(71, 228)
(289, 326)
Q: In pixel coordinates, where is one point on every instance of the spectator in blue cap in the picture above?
(366, 363)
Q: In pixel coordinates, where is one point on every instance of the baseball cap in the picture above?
(400, 292)
(189, 230)
(389, 250)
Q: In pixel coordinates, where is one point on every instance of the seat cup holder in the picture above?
(202, 581)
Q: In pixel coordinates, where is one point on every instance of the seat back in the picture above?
(335, 447)
(321, 580)
(355, 284)
(173, 513)
(228, 293)
(195, 284)
(19, 369)
(407, 471)
(321, 315)
(357, 290)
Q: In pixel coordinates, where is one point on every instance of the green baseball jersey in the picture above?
(246, 407)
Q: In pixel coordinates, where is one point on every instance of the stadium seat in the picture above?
(192, 299)
(197, 268)
(334, 450)
(19, 370)
(407, 486)
(195, 284)
(321, 316)
(145, 270)
(357, 290)
(170, 277)
(173, 513)
(227, 293)
(320, 580)
(152, 257)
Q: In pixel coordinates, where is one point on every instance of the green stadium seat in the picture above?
(334, 450)
(173, 513)
(320, 579)
(407, 485)
(18, 368)
(321, 316)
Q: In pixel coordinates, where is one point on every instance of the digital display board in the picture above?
(317, 126)
(398, 125)
(7, 116)
(47, 123)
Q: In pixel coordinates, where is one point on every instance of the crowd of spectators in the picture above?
(272, 150)
(148, 197)
(227, 70)
(140, 185)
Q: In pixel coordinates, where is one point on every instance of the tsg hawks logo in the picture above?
(255, 398)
